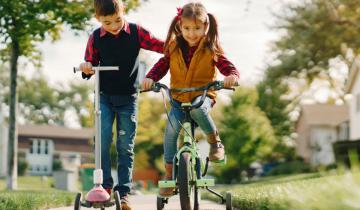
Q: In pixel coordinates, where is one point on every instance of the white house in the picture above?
(39, 145)
(3, 146)
(318, 127)
(353, 88)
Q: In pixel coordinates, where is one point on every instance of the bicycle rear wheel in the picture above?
(184, 180)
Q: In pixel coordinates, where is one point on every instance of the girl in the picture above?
(192, 51)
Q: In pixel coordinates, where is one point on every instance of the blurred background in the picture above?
(295, 115)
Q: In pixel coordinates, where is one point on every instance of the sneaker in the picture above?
(217, 152)
(125, 204)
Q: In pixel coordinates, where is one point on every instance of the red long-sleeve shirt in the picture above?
(146, 39)
(160, 69)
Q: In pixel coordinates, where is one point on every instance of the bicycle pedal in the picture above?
(205, 182)
(166, 183)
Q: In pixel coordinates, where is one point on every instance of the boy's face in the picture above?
(112, 23)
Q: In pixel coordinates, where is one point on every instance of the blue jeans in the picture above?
(200, 115)
(124, 109)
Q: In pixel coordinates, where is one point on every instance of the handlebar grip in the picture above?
(99, 68)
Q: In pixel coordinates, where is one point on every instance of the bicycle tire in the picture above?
(184, 178)
(160, 204)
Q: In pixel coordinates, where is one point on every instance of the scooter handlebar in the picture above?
(99, 68)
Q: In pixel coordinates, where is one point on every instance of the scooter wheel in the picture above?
(228, 201)
(160, 203)
(117, 200)
(77, 205)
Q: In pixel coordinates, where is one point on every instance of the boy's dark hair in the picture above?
(107, 7)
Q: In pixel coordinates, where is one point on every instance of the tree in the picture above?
(150, 133)
(40, 103)
(22, 25)
(271, 101)
(247, 134)
(312, 38)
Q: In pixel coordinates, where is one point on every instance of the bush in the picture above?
(292, 167)
(22, 167)
(57, 165)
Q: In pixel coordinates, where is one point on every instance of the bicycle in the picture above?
(187, 175)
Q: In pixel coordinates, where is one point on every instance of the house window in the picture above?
(31, 147)
(358, 102)
(46, 147)
(39, 147)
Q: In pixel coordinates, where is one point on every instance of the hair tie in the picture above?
(179, 13)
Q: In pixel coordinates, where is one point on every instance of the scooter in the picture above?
(97, 197)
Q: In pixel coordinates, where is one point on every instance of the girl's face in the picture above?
(112, 23)
(192, 31)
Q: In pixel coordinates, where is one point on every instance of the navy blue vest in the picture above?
(119, 51)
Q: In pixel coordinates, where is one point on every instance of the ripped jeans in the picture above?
(124, 109)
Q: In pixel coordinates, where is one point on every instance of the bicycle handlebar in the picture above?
(216, 85)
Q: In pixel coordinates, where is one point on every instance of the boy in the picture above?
(117, 43)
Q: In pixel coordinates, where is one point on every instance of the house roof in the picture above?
(55, 131)
(354, 70)
(325, 114)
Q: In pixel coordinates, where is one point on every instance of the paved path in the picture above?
(148, 202)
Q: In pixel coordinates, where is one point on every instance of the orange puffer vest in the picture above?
(201, 71)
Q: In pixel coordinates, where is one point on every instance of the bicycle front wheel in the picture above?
(184, 181)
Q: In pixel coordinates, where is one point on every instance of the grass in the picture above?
(300, 192)
(34, 200)
(33, 193)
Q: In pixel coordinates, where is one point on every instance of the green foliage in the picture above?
(150, 134)
(40, 103)
(152, 119)
(34, 200)
(276, 108)
(291, 167)
(57, 165)
(312, 37)
(22, 167)
(29, 22)
(247, 134)
(313, 32)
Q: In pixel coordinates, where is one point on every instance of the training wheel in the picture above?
(228, 201)
(160, 203)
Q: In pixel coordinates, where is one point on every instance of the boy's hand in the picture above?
(230, 81)
(86, 68)
(147, 83)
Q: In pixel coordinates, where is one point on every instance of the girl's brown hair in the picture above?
(107, 7)
(197, 12)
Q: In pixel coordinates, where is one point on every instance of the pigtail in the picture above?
(213, 36)
(173, 33)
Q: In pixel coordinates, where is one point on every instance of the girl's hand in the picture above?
(147, 83)
(230, 81)
(86, 68)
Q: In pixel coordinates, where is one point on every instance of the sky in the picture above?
(243, 27)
